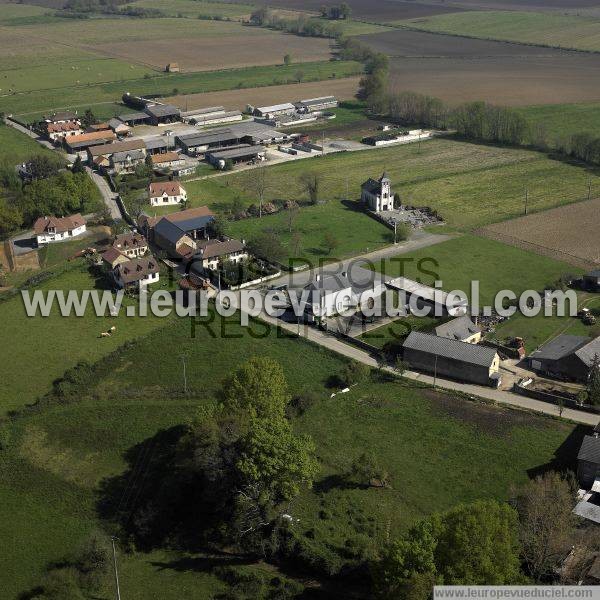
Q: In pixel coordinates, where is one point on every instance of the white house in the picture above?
(213, 252)
(330, 295)
(164, 193)
(131, 244)
(53, 229)
(136, 273)
(377, 194)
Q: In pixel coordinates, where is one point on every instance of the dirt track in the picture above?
(568, 233)
(343, 89)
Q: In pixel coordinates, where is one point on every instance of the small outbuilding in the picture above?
(461, 328)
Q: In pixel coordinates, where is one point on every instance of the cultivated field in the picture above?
(343, 89)
(569, 233)
(244, 48)
(561, 120)
(459, 69)
(201, 45)
(373, 10)
(555, 30)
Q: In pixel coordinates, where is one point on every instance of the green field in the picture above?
(35, 102)
(60, 454)
(562, 120)
(546, 29)
(469, 184)
(16, 146)
(46, 347)
(17, 14)
(195, 8)
(70, 73)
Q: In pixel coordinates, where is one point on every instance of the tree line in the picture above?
(476, 120)
(51, 190)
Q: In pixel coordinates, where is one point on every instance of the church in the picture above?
(377, 194)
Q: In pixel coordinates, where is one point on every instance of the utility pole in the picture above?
(113, 539)
(435, 371)
(185, 389)
(395, 231)
(323, 143)
(526, 199)
(589, 188)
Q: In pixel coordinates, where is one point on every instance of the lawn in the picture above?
(59, 455)
(176, 83)
(546, 29)
(469, 184)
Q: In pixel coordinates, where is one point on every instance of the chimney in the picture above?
(318, 278)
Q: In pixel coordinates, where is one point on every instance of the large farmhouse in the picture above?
(377, 194)
(178, 232)
(214, 252)
(165, 193)
(131, 244)
(566, 357)
(54, 229)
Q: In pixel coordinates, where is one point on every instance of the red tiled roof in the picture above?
(159, 188)
(61, 224)
(166, 157)
(59, 127)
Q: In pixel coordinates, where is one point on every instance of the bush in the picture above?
(301, 403)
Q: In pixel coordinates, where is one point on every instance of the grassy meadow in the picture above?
(61, 453)
(562, 120)
(16, 146)
(47, 346)
(470, 185)
(546, 29)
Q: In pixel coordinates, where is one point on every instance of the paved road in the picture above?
(109, 197)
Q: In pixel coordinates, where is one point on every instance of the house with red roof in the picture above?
(54, 229)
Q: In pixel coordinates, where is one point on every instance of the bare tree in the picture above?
(292, 213)
(259, 184)
(311, 181)
(546, 523)
(296, 242)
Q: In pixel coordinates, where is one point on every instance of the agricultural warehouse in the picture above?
(158, 145)
(162, 113)
(224, 137)
(444, 357)
(566, 357)
(426, 296)
(237, 155)
(317, 104)
(274, 111)
(135, 118)
(77, 143)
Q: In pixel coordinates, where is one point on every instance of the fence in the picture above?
(554, 399)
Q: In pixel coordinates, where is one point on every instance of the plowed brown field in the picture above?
(568, 233)
(343, 89)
